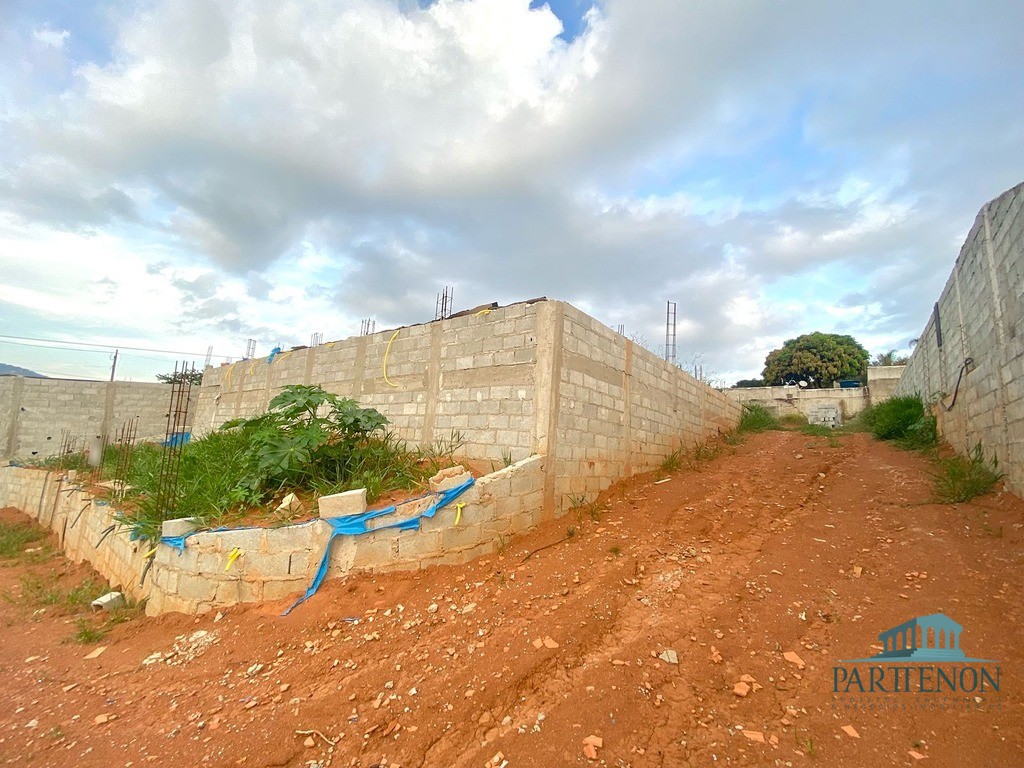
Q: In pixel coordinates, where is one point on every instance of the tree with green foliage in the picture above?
(749, 383)
(889, 358)
(193, 378)
(817, 358)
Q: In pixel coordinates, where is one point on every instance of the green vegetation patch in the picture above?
(961, 478)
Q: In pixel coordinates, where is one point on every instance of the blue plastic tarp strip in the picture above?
(356, 524)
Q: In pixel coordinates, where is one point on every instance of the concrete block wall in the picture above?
(528, 379)
(472, 375)
(979, 315)
(882, 381)
(612, 409)
(34, 412)
(275, 562)
(785, 401)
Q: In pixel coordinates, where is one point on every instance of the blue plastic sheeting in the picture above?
(177, 438)
(354, 525)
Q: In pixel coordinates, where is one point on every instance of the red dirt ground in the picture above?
(786, 543)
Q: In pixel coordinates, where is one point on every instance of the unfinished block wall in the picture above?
(979, 316)
(614, 408)
(541, 378)
(472, 375)
(35, 412)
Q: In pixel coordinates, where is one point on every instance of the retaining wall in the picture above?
(275, 562)
(979, 316)
(34, 413)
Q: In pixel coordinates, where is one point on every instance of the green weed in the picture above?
(674, 461)
(86, 632)
(15, 537)
(961, 478)
(756, 418)
(792, 421)
(816, 430)
(615, 549)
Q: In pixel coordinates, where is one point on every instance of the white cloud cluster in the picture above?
(775, 168)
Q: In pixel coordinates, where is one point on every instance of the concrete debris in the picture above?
(111, 601)
(668, 655)
(850, 731)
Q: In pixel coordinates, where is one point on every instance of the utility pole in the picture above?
(113, 367)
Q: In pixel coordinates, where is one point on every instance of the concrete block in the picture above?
(178, 527)
(341, 504)
(449, 478)
(109, 602)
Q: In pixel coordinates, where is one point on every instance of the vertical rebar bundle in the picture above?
(670, 332)
(177, 419)
(250, 349)
(367, 326)
(443, 308)
(68, 445)
(316, 339)
(124, 439)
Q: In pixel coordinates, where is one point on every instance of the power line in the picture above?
(86, 351)
(55, 343)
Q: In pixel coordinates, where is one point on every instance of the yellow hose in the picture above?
(387, 351)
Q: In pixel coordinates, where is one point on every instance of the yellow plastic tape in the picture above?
(232, 556)
(458, 512)
(387, 351)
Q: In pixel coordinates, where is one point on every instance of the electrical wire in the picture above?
(15, 339)
(956, 391)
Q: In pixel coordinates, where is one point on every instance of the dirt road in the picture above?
(636, 629)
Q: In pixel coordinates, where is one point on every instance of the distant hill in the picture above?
(13, 370)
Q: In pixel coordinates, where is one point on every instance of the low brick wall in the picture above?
(275, 562)
(784, 401)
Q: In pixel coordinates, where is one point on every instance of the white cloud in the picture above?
(349, 159)
(51, 38)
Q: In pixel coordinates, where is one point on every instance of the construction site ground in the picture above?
(620, 641)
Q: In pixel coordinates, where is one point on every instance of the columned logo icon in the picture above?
(932, 638)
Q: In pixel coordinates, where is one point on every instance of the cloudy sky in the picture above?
(176, 174)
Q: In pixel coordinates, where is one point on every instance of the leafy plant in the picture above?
(756, 418)
(893, 418)
(961, 478)
(293, 445)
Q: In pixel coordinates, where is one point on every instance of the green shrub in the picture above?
(893, 418)
(309, 440)
(756, 418)
(961, 478)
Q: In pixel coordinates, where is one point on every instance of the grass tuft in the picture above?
(756, 418)
(961, 478)
(15, 537)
